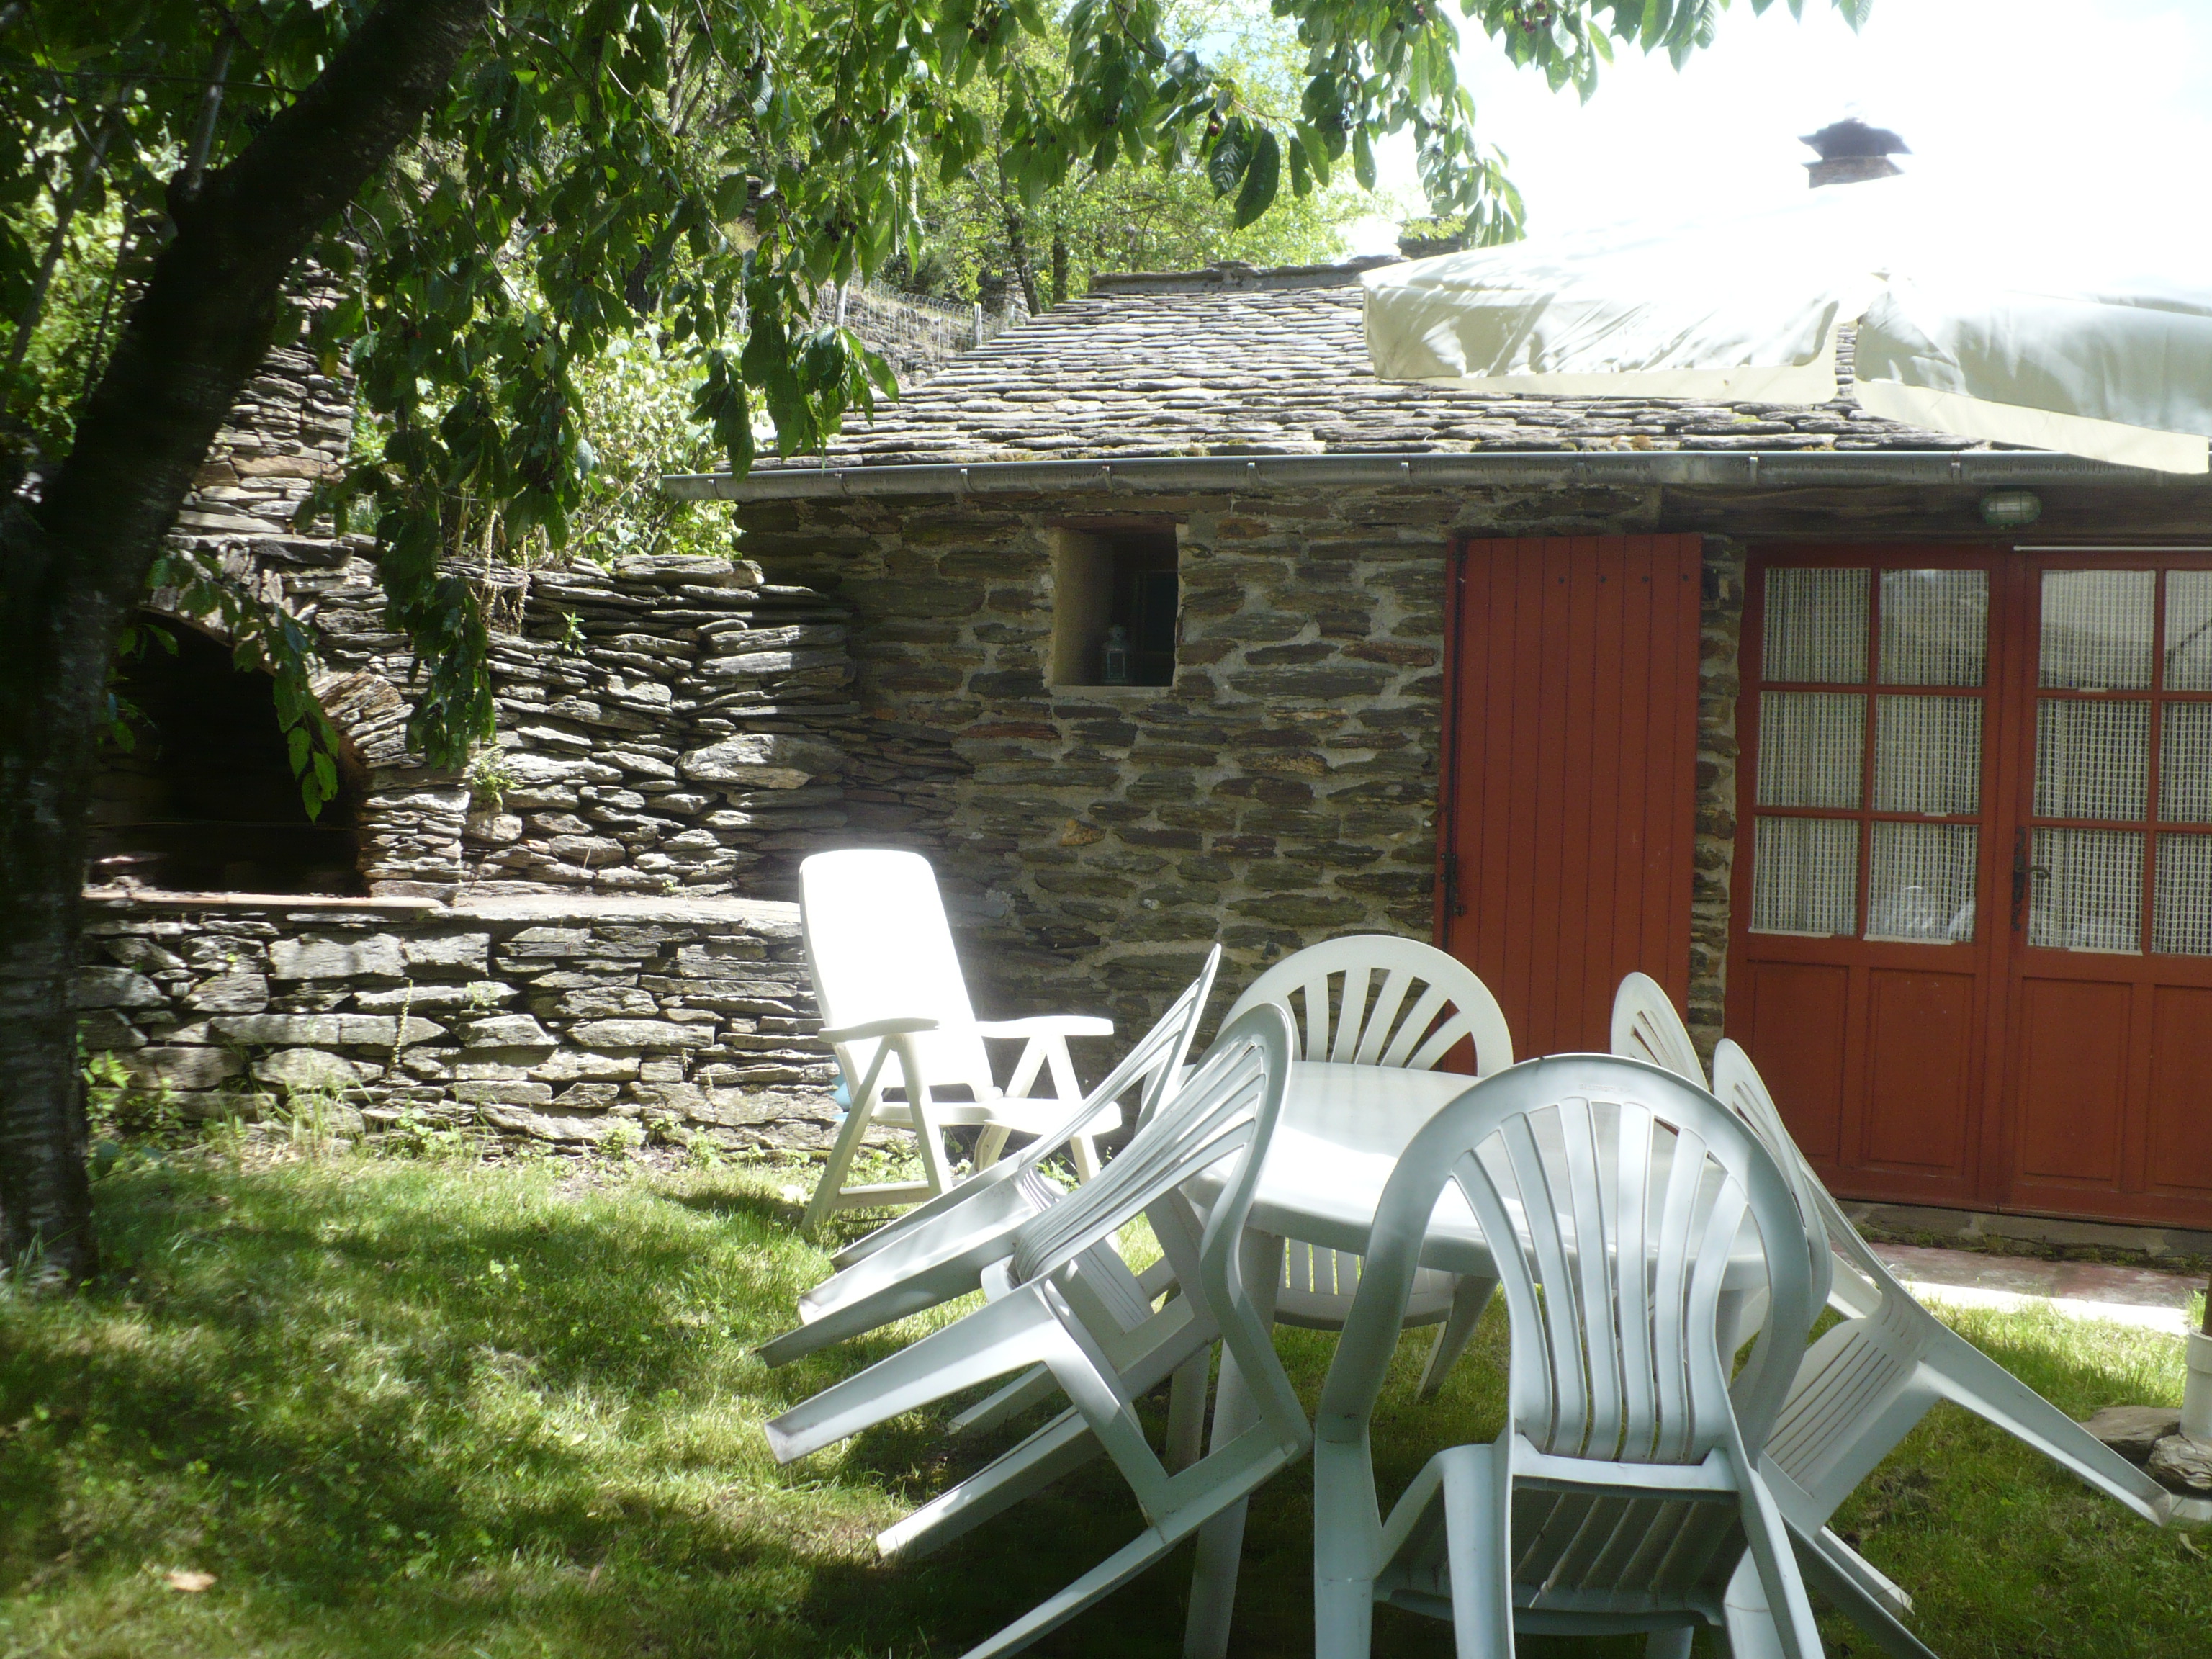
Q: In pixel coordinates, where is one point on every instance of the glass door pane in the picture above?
(2096, 629)
(2093, 755)
(1818, 818)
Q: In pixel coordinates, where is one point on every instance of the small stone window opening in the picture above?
(1105, 580)
(204, 799)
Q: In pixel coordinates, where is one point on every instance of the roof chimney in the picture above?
(1852, 151)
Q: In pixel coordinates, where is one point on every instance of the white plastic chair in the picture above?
(1868, 1381)
(1646, 1027)
(1622, 1492)
(1104, 1353)
(1378, 1000)
(940, 1250)
(888, 984)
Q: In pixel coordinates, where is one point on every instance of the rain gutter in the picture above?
(1549, 469)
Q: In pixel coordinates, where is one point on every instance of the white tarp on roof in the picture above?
(2063, 348)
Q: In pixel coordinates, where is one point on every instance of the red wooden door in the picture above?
(2108, 1067)
(1972, 911)
(1863, 961)
(1569, 800)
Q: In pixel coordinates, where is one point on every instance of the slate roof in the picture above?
(1234, 361)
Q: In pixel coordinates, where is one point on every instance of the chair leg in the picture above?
(1750, 1632)
(1672, 1644)
(832, 1179)
(1475, 1551)
(1771, 1548)
(1471, 1296)
(1010, 1335)
(1064, 1444)
(991, 1144)
(1963, 1374)
(1852, 1599)
(1347, 1549)
(1186, 1436)
(1048, 1615)
(930, 1134)
(1085, 1150)
(1221, 1539)
(1214, 1579)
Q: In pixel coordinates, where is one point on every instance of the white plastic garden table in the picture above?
(1341, 1132)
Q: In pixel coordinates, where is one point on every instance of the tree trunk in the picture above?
(73, 566)
(1059, 268)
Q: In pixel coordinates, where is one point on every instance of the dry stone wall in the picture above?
(667, 725)
(555, 1017)
(674, 734)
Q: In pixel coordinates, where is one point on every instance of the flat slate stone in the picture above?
(2133, 1430)
(2183, 1464)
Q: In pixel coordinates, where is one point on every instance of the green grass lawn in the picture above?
(457, 1408)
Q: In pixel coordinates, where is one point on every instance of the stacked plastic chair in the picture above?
(1050, 1306)
(1868, 1381)
(1377, 999)
(941, 1249)
(1867, 1384)
(1624, 1491)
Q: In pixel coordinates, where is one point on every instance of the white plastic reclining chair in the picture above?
(1378, 1000)
(1624, 1490)
(894, 1010)
(1103, 1351)
(1867, 1384)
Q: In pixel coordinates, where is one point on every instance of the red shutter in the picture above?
(1568, 827)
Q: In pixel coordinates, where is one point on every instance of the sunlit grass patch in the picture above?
(440, 1406)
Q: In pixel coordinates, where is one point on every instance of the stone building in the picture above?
(1489, 669)
(1492, 669)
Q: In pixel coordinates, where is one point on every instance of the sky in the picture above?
(2054, 104)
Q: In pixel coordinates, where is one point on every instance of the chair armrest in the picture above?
(1037, 1026)
(877, 1027)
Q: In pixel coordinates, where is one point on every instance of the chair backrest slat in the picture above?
(1669, 1293)
(1645, 1026)
(1382, 1024)
(1639, 1423)
(1594, 1277)
(1744, 1092)
(1399, 1002)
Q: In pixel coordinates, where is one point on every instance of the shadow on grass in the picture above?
(427, 1409)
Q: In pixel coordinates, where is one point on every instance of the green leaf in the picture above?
(1260, 180)
(1225, 163)
(1362, 159)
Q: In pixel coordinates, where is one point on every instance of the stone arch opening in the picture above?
(204, 799)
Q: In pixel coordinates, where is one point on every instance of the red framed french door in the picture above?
(1972, 930)
(1863, 971)
(2107, 1095)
